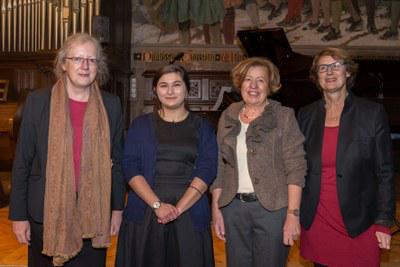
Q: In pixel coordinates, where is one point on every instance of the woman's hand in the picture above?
(22, 231)
(383, 240)
(166, 213)
(291, 229)
(218, 223)
(116, 219)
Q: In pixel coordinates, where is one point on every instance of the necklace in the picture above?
(249, 115)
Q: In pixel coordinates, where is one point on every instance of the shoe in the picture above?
(283, 23)
(275, 12)
(349, 20)
(294, 21)
(312, 25)
(290, 22)
(323, 28)
(389, 35)
(332, 35)
(355, 26)
(371, 28)
(267, 6)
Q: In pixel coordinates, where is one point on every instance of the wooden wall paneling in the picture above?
(118, 50)
(26, 71)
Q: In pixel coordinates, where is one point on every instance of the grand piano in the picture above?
(376, 80)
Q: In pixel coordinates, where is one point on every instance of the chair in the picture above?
(4, 90)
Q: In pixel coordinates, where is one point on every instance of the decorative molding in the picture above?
(219, 58)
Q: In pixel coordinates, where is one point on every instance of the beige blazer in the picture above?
(275, 154)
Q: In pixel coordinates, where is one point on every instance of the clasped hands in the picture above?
(167, 213)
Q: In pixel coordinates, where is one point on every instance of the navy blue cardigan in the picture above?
(139, 158)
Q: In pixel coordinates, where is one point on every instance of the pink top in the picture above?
(77, 113)
(327, 241)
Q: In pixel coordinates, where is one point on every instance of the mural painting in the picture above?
(348, 23)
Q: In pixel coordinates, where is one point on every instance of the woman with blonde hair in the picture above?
(261, 168)
(67, 191)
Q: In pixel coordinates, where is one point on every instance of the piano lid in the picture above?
(271, 43)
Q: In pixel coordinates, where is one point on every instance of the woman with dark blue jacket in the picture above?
(170, 158)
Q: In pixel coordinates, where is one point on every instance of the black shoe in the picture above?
(283, 23)
(371, 28)
(294, 21)
(389, 35)
(355, 26)
(349, 20)
(332, 35)
(275, 11)
(267, 6)
(323, 28)
(312, 25)
(290, 22)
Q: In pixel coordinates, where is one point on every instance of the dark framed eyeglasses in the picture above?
(335, 66)
(80, 60)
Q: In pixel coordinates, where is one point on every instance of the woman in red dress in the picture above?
(348, 201)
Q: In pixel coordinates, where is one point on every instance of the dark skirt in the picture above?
(176, 244)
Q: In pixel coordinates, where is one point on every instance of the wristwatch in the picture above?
(156, 205)
(295, 212)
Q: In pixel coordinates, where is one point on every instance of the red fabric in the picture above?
(327, 241)
(383, 229)
(77, 113)
(294, 9)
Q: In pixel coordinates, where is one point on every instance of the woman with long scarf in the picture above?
(67, 174)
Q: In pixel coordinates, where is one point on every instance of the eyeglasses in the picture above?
(335, 66)
(80, 60)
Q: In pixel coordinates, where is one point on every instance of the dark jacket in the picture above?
(29, 169)
(140, 156)
(275, 154)
(364, 165)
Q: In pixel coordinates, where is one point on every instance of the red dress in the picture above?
(327, 241)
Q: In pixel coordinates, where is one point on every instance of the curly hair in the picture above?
(82, 38)
(239, 72)
(337, 54)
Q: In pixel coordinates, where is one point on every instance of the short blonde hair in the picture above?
(337, 54)
(239, 72)
(82, 38)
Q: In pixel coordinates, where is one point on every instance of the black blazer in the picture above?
(364, 164)
(29, 168)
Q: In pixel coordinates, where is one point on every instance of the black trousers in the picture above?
(87, 257)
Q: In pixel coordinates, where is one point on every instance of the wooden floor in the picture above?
(13, 254)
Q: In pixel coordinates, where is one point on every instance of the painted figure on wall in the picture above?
(185, 13)
(363, 23)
